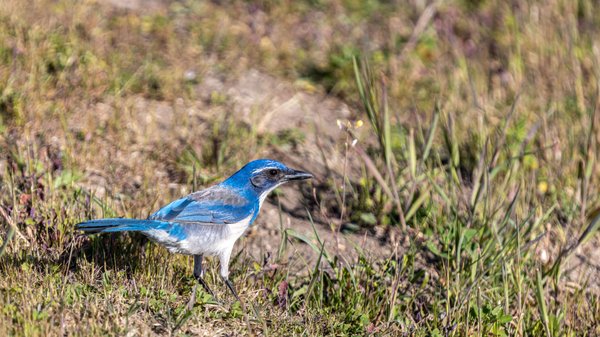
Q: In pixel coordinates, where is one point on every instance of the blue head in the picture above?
(264, 175)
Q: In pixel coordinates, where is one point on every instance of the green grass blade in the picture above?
(541, 303)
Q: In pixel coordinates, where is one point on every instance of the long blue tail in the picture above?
(120, 225)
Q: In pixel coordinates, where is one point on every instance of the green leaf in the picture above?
(368, 218)
(504, 319)
(434, 249)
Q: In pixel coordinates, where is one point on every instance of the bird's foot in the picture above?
(232, 289)
(205, 286)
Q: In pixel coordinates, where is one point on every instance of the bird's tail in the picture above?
(120, 225)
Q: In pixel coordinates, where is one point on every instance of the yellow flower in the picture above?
(542, 187)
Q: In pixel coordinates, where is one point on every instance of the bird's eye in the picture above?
(273, 172)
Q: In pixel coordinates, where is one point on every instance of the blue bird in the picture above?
(208, 222)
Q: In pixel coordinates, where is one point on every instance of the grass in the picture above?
(476, 165)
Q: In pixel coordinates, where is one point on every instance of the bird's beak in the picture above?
(297, 175)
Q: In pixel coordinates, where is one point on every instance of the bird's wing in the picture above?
(214, 205)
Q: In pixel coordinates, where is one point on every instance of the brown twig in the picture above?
(12, 224)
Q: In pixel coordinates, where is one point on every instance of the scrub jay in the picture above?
(208, 222)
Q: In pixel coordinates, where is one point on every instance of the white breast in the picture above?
(237, 229)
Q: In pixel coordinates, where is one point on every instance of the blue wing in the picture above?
(215, 205)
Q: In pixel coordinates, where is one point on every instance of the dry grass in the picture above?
(478, 164)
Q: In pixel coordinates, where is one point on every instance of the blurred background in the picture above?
(454, 145)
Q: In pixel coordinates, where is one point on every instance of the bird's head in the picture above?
(264, 175)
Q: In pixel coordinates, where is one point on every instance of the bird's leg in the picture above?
(224, 260)
(232, 289)
(205, 286)
(198, 275)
